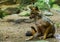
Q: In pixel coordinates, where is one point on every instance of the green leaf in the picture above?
(41, 4)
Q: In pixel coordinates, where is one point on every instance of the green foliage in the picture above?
(51, 2)
(2, 14)
(41, 4)
(21, 7)
(25, 2)
(57, 7)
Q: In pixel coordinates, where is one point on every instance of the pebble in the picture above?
(57, 36)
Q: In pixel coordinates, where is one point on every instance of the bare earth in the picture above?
(11, 32)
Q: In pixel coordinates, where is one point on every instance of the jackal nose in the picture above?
(30, 17)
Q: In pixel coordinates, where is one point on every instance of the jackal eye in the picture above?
(32, 13)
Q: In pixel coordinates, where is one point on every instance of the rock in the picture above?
(24, 13)
(7, 37)
(7, 2)
(57, 11)
(47, 13)
(12, 10)
(57, 36)
(27, 8)
(19, 21)
(28, 21)
(15, 18)
(11, 17)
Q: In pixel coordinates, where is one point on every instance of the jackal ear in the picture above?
(31, 7)
(33, 28)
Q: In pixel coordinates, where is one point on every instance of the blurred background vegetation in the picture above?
(41, 4)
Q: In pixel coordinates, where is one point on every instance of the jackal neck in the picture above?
(38, 17)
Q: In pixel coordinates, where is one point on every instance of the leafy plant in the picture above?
(2, 14)
(41, 4)
(51, 2)
(27, 2)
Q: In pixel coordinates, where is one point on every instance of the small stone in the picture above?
(7, 37)
(21, 37)
(28, 21)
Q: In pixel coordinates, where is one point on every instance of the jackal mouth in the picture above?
(32, 16)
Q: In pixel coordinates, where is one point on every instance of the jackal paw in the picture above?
(41, 37)
(27, 39)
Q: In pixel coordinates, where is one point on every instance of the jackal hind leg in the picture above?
(50, 35)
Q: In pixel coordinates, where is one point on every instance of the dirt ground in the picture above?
(11, 32)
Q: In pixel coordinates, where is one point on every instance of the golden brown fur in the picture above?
(44, 27)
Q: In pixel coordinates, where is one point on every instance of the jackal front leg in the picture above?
(46, 32)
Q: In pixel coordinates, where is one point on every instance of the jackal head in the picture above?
(34, 12)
